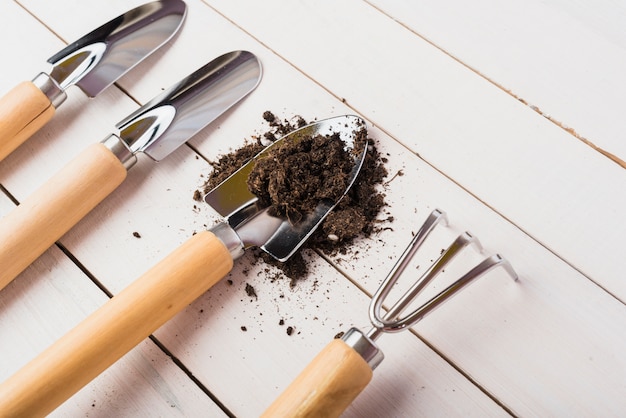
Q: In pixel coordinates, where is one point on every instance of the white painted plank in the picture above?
(508, 361)
(257, 364)
(156, 201)
(566, 58)
(525, 167)
(53, 295)
(534, 344)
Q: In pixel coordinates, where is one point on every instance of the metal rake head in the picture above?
(391, 321)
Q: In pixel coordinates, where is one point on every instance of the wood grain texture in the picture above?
(326, 387)
(114, 329)
(508, 156)
(543, 52)
(23, 111)
(51, 297)
(446, 111)
(42, 218)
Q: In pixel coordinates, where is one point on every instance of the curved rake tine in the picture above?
(485, 266)
(391, 321)
(380, 322)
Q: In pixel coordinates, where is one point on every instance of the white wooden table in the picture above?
(509, 116)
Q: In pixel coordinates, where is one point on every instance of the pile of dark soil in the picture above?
(297, 176)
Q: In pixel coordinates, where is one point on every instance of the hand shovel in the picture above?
(189, 271)
(156, 129)
(92, 63)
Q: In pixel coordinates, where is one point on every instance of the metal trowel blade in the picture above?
(254, 225)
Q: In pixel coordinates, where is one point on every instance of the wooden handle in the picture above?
(326, 387)
(114, 329)
(23, 111)
(41, 219)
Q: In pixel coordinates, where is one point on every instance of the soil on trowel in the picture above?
(297, 175)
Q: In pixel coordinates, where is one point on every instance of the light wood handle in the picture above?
(114, 329)
(23, 111)
(326, 387)
(41, 219)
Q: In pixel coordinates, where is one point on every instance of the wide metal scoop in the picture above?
(91, 63)
(156, 129)
(276, 236)
(170, 286)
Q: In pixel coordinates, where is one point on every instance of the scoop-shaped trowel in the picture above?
(156, 129)
(91, 63)
(171, 285)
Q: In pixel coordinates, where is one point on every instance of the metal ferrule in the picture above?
(120, 150)
(366, 348)
(50, 88)
(229, 238)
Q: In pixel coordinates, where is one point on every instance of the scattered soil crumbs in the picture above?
(250, 291)
(292, 192)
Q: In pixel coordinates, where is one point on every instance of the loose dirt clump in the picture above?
(296, 176)
(299, 175)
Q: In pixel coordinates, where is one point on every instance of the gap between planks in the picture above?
(179, 363)
(415, 333)
(373, 123)
(41, 22)
(67, 253)
(536, 109)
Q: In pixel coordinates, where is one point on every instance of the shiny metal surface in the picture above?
(392, 321)
(170, 119)
(99, 58)
(120, 150)
(50, 88)
(232, 199)
(365, 346)
(238, 205)
(364, 343)
(229, 238)
(258, 228)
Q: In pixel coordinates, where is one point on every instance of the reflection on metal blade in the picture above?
(99, 58)
(255, 226)
(166, 122)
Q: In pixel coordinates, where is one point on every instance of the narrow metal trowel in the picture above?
(153, 299)
(91, 63)
(156, 129)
